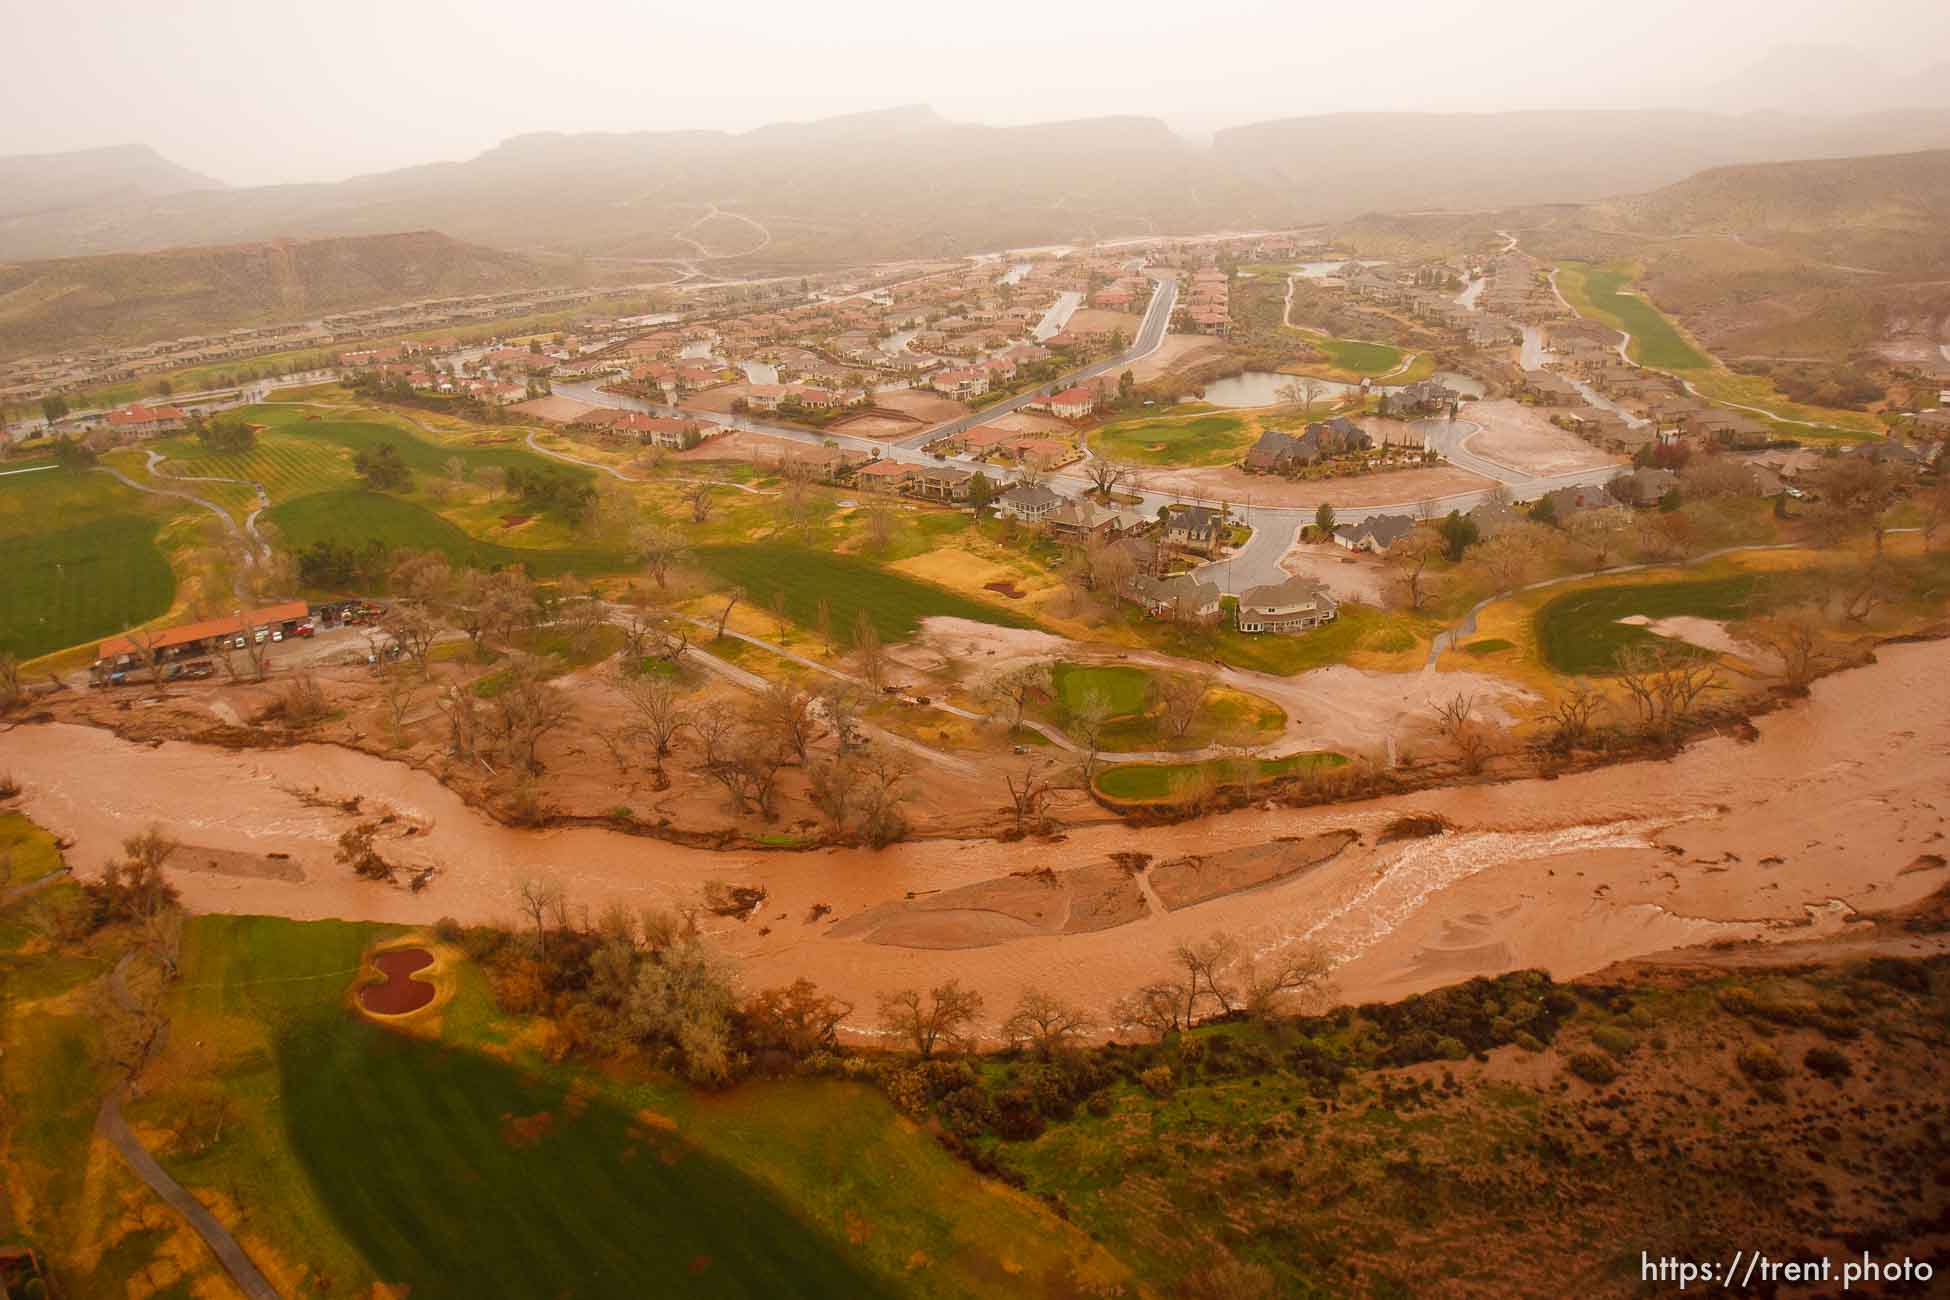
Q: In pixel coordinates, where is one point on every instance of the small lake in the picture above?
(697, 351)
(1467, 385)
(759, 372)
(1015, 273)
(1262, 388)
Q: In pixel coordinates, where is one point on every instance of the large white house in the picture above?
(1291, 606)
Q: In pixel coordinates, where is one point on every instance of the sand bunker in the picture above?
(400, 993)
(1705, 633)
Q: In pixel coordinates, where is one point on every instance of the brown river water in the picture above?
(1838, 807)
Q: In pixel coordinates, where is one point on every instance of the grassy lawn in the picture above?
(354, 516)
(419, 1153)
(82, 561)
(1359, 630)
(288, 465)
(1656, 341)
(455, 1161)
(1360, 358)
(1820, 423)
(1488, 646)
(1132, 697)
(1579, 632)
(895, 604)
(1206, 439)
(27, 849)
(1157, 781)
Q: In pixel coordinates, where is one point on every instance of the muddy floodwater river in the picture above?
(1839, 806)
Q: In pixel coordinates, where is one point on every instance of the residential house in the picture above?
(1426, 395)
(1029, 502)
(1195, 528)
(1732, 428)
(1181, 598)
(1286, 607)
(972, 381)
(1643, 487)
(138, 421)
(1081, 522)
(1566, 503)
(942, 483)
(1073, 403)
(1375, 535)
(884, 476)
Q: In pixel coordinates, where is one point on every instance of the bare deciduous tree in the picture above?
(940, 1020)
(1180, 694)
(868, 653)
(1045, 1024)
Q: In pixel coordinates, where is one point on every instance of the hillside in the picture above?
(38, 186)
(880, 185)
(1358, 162)
(128, 296)
(1889, 212)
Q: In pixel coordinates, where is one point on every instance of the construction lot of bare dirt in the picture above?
(1523, 438)
(1385, 487)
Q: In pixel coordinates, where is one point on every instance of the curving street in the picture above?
(1274, 527)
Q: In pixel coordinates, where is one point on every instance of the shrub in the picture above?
(966, 1112)
(1828, 1063)
(1099, 1104)
(908, 1090)
(1760, 1063)
(1593, 1068)
(447, 930)
(1017, 1118)
(1619, 1042)
(1528, 1041)
(1159, 1081)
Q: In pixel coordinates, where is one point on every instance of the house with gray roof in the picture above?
(1283, 608)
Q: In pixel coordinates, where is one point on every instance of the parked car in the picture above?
(261, 635)
(199, 670)
(304, 629)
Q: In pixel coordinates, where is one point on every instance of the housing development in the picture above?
(1142, 721)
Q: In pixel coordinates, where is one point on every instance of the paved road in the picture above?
(1151, 334)
(1274, 527)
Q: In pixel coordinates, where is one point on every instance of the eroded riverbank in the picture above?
(1839, 805)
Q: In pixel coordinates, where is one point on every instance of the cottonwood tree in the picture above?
(1459, 723)
(1112, 567)
(657, 710)
(786, 713)
(1408, 564)
(1665, 681)
(869, 655)
(839, 702)
(525, 712)
(1045, 1024)
(660, 547)
(1088, 719)
(1009, 694)
(698, 494)
(941, 1020)
(1180, 695)
(797, 1019)
(1857, 491)
(149, 651)
(1105, 475)
(731, 598)
(1274, 986)
(1029, 793)
(1797, 637)
(539, 900)
(412, 628)
(1571, 715)
(686, 998)
(880, 525)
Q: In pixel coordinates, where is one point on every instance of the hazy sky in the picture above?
(257, 91)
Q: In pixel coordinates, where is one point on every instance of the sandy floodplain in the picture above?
(1841, 804)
